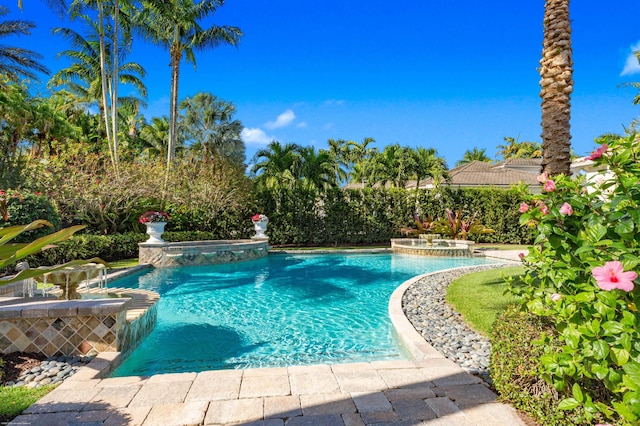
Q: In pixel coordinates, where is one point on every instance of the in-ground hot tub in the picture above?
(436, 247)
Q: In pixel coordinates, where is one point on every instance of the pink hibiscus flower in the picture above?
(549, 186)
(566, 209)
(524, 207)
(598, 152)
(611, 276)
(544, 209)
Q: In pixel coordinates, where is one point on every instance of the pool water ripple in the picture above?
(275, 311)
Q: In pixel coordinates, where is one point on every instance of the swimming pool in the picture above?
(275, 311)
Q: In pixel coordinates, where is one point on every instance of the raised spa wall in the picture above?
(201, 252)
(75, 327)
(435, 247)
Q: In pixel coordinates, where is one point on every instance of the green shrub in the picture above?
(375, 215)
(86, 246)
(25, 207)
(580, 274)
(515, 365)
(517, 372)
(107, 247)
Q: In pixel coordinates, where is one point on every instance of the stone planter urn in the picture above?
(155, 231)
(260, 226)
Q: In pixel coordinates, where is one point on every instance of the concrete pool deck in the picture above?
(427, 390)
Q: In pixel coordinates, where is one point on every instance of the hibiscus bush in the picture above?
(581, 275)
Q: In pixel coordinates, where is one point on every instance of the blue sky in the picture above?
(448, 75)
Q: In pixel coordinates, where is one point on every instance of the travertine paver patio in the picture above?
(431, 391)
(427, 390)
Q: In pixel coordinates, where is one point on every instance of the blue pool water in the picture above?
(275, 311)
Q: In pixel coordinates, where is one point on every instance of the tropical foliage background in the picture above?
(83, 156)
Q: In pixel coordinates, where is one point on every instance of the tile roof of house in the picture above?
(478, 173)
(522, 162)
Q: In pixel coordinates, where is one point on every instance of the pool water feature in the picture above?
(279, 310)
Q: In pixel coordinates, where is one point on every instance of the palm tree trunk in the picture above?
(176, 55)
(115, 78)
(103, 78)
(556, 70)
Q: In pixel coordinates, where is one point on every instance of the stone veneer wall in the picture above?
(442, 248)
(201, 252)
(10, 290)
(76, 327)
(131, 333)
(69, 327)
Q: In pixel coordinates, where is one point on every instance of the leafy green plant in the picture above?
(580, 275)
(422, 226)
(10, 253)
(457, 226)
(516, 369)
(20, 207)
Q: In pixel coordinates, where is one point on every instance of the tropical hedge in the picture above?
(374, 215)
(297, 217)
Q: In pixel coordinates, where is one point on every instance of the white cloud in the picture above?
(283, 120)
(302, 125)
(255, 136)
(631, 66)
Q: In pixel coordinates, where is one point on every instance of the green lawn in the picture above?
(124, 263)
(14, 401)
(480, 297)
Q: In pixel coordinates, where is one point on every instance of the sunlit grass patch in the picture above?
(480, 297)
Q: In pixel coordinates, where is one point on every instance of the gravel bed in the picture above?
(425, 306)
(50, 371)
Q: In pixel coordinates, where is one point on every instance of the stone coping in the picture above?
(330, 251)
(135, 301)
(204, 243)
(47, 308)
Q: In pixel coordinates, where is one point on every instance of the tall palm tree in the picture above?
(277, 165)
(175, 25)
(475, 154)
(395, 165)
(427, 163)
(208, 122)
(155, 136)
(556, 72)
(77, 8)
(318, 169)
(15, 62)
(338, 149)
(58, 6)
(357, 155)
(86, 75)
(516, 149)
